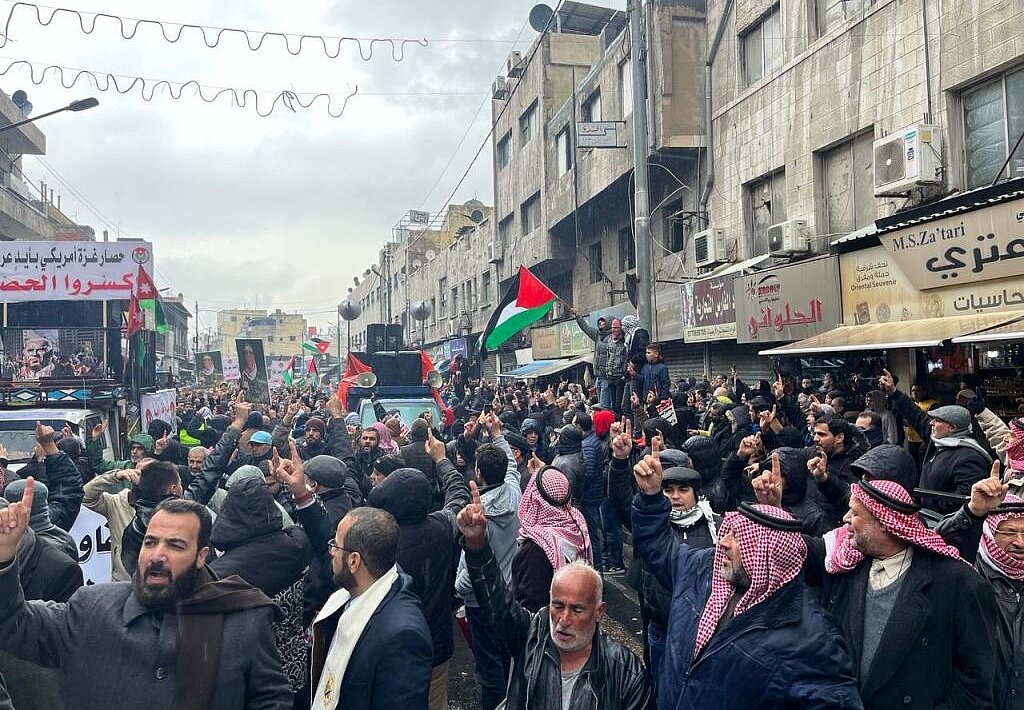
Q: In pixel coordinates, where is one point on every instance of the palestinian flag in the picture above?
(526, 302)
(288, 372)
(317, 346)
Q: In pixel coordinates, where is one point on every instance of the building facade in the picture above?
(282, 333)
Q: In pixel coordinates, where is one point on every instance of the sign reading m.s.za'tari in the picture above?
(980, 245)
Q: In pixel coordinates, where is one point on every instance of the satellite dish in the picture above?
(540, 17)
(366, 379)
(476, 216)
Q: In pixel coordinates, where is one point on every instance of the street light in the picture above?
(80, 105)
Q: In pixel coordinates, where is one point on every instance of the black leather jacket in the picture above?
(616, 676)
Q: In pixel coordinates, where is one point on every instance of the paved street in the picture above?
(622, 622)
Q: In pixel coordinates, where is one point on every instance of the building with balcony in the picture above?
(282, 333)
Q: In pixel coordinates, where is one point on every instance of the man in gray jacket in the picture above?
(600, 336)
(173, 637)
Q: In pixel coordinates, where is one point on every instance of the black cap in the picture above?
(681, 476)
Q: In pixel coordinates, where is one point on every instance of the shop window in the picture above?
(849, 192)
(762, 47)
(766, 205)
(993, 120)
(563, 150)
(594, 257)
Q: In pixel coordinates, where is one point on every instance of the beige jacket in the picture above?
(996, 431)
(108, 496)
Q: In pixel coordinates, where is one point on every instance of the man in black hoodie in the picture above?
(427, 551)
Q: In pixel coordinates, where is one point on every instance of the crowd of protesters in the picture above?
(795, 544)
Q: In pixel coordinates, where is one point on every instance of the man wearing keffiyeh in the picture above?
(741, 632)
(917, 618)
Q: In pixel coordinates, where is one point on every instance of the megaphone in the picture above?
(434, 378)
(366, 379)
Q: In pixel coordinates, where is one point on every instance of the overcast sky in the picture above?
(277, 212)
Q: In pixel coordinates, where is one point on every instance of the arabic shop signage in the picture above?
(977, 246)
(708, 309)
(791, 303)
(71, 271)
(876, 290)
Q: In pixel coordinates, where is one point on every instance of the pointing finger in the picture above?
(656, 448)
(995, 471)
(28, 495)
(776, 469)
(474, 493)
(294, 453)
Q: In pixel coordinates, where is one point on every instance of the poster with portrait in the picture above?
(252, 370)
(209, 369)
(58, 353)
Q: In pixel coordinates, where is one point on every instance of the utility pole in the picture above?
(195, 341)
(641, 199)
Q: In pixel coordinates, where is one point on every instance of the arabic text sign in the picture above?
(709, 309)
(160, 405)
(71, 271)
(875, 290)
(977, 246)
(791, 303)
(92, 536)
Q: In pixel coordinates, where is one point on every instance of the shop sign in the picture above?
(709, 309)
(572, 340)
(545, 342)
(876, 290)
(976, 246)
(459, 346)
(790, 303)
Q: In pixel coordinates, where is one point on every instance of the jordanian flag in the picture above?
(526, 302)
(317, 346)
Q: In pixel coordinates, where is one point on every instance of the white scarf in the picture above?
(350, 628)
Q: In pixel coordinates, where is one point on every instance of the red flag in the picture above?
(353, 369)
(145, 289)
(312, 366)
(426, 365)
(136, 318)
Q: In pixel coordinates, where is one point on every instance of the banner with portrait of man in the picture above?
(209, 369)
(252, 370)
(32, 354)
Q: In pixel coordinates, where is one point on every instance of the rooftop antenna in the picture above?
(540, 17)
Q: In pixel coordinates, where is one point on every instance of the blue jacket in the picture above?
(785, 652)
(593, 470)
(654, 376)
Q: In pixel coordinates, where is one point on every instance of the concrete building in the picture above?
(173, 350)
(282, 333)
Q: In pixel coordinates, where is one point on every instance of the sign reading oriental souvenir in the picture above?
(71, 271)
(975, 246)
(790, 303)
(709, 309)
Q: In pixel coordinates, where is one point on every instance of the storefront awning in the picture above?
(1013, 330)
(924, 333)
(544, 368)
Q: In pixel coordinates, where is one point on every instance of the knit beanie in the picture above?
(39, 517)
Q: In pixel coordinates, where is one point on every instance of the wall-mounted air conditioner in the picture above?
(907, 159)
(494, 255)
(709, 248)
(516, 65)
(501, 89)
(788, 238)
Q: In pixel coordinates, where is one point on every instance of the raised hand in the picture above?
(887, 383)
(44, 434)
(534, 465)
(648, 471)
(778, 387)
(988, 493)
(127, 474)
(472, 520)
(434, 448)
(291, 471)
(768, 486)
(818, 467)
(97, 431)
(241, 409)
(161, 444)
(14, 520)
(749, 445)
(766, 418)
(493, 424)
(622, 443)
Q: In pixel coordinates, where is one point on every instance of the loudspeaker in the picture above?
(400, 368)
(375, 338)
(393, 336)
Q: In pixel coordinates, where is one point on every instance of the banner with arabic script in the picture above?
(709, 309)
(71, 271)
(789, 303)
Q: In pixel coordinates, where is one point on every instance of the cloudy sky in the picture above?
(277, 212)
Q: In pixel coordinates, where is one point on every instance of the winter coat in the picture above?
(94, 450)
(937, 651)
(108, 496)
(426, 542)
(653, 377)
(952, 469)
(615, 675)
(600, 338)
(337, 442)
(64, 481)
(46, 575)
(390, 663)
(785, 652)
(595, 453)
(1009, 638)
(572, 466)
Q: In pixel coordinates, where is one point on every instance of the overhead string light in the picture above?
(266, 102)
(172, 32)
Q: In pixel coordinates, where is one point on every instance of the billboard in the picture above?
(71, 271)
(65, 353)
(790, 303)
(709, 309)
(252, 370)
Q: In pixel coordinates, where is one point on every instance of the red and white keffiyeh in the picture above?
(771, 558)
(843, 557)
(1015, 449)
(560, 531)
(991, 553)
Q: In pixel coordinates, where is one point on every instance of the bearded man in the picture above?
(173, 637)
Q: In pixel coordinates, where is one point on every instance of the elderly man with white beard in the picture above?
(561, 658)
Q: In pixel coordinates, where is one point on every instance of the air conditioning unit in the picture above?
(501, 89)
(494, 255)
(709, 248)
(907, 159)
(516, 65)
(789, 237)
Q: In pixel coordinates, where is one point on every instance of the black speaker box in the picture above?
(376, 336)
(400, 368)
